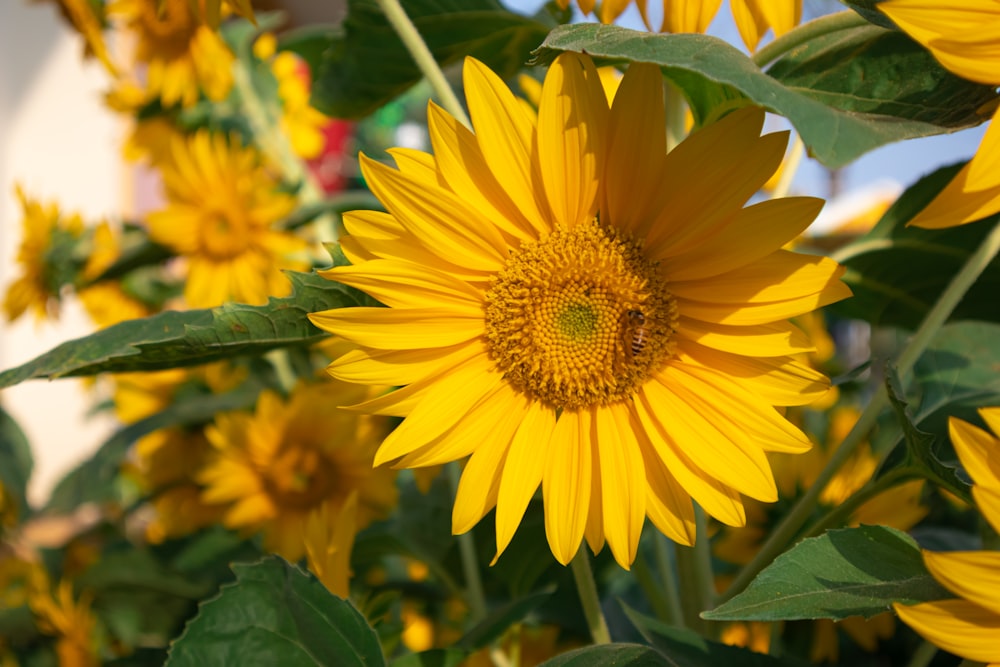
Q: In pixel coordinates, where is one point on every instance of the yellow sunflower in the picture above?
(328, 540)
(753, 17)
(182, 56)
(577, 309)
(107, 302)
(70, 620)
(969, 625)
(48, 238)
(87, 18)
(274, 467)
(964, 36)
(212, 11)
(222, 210)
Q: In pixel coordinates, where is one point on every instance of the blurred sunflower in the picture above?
(88, 19)
(753, 17)
(274, 467)
(44, 255)
(69, 619)
(969, 625)
(212, 11)
(222, 210)
(963, 36)
(107, 302)
(328, 540)
(577, 309)
(183, 58)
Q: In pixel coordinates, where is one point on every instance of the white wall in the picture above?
(60, 144)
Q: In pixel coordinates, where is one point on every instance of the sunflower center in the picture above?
(580, 317)
(300, 477)
(224, 234)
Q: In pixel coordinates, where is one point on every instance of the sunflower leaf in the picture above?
(611, 655)
(276, 614)
(367, 65)
(846, 572)
(438, 657)
(686, 648)
(186, 338)
(16, 464)
(494, 625)
(897, 272)
(862, 106)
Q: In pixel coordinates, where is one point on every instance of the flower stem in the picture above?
(652, 589)
(589, 599)
(694, 570)
(423, 57)
(470, 564)
(805, 33)
(789, 527)
(923, 655)
(663, 547)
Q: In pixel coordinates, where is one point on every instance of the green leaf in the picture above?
(16, 464)
(867, 9)
(136, 569)
(367, 65)
(610, 655)
(847, 572)
(494, 625)
(897, 272)
(191, 337)
(439, 657)
(93, 480)
(686, 648)
(871, 70)
(276, 614)
(834, 136)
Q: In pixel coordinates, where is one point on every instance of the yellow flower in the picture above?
(329, 538)
(968, 626)
(107, 302)
(578, 310)
(276, 466)
(48, 238)
(211, 11)
(963, 36)
(82, 14)
(222, 210)
(301, 123)
(69, 620)
(182, 57)
(753, 17)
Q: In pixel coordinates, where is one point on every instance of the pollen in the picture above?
(558, 323)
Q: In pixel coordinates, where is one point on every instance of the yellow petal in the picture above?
(522, 471)
(401, 284)
(957, 626)
(399, 367)
(667, 503)
(572, 127)
(775, 339)
(973, 575)
(623, 482)
(566, 485)
(688, 15)
(401, 329)
(977, 450)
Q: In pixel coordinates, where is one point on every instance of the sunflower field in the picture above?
(463, 332)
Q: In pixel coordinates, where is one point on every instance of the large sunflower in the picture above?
(577, 309)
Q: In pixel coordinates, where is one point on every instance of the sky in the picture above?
(893, 166)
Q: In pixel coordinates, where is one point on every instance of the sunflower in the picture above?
(223, 206)
(183, 57)
(962, 36)
(107, 302)
(968, 626)
(753, 17)
(71, 621)
(212, 11)
(329, 538)
(49, 237)
(577, 309)
(275, 467)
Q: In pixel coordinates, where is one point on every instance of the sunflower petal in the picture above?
(566, 485)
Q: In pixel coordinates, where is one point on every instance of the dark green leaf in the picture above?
(16, 463)
(834, 136)
(846, 572)
(367, 65)
(439, 657)
(93, 480)
(494, 625)
(871, 70)
(897, 272)
(135, 569)
(686, 648)
(610, 655)
(191, 337)
(867, 9)
(276, 614)
(309, 42)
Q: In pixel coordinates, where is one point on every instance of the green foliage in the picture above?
(16, 464)
(186, 338)
(846, 572)
(610, 655)
(834, 135)
(276, 614)
(367, 65)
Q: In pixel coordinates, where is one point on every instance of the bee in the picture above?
(634, 332)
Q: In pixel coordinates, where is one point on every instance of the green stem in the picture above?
(789, 527)
(663, 547)
(839, 514)
(423, 57)
(694, 570)
(805, 33)
(652, 588)
(923, 655)
(470, 564)
(589, 599)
